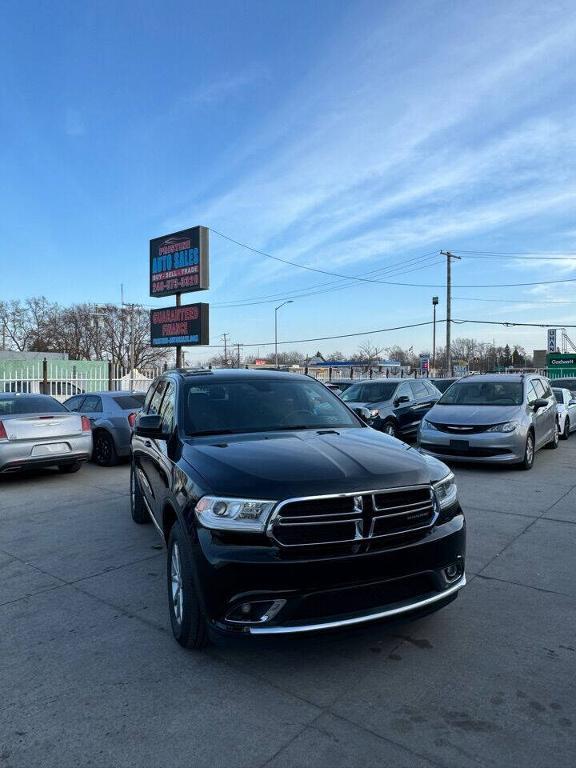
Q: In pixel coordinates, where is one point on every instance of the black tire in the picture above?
(68, 469)
(390, 428)
(137, 507)
(104, 451)
(188, 622)
(553, 444)
(529, 451)
(566, 431)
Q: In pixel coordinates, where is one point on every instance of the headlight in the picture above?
(428, 425)
(234, 514)
(446, 491)
(374, 413)
(509, 426)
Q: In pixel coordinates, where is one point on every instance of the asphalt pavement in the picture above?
(90, 674)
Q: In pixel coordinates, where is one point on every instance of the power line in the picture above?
(389, 282)
(509, 301)
(535, 255)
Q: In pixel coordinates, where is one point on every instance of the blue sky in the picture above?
(347, 136)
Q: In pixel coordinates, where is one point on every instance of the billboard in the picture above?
(176, 326)
(551, 339)
(179, 262)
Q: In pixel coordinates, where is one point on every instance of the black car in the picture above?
(396, 406)
(283, 512)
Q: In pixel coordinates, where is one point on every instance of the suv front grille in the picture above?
(353, 517)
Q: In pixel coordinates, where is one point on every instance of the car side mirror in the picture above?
(149, 425)
(363, 412)
(402, 399)
(540, 402)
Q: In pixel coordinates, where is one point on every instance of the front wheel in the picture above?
(389, 428)
(553, 444)
(189, 625)
(528, 460)
(566, 431)
(137, 507)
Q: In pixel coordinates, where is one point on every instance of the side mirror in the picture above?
(402, 399)
(149, 425)
(540, 402)
(363, 412)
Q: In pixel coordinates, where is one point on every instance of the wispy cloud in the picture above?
(227, 86)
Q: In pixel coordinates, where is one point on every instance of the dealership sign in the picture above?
(179, 262)
(175, 326)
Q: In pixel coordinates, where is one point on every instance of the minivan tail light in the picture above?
(86, 426)
(3, 435)
(131, 419)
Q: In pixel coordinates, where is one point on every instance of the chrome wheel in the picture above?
(176, 579)
(529, 450)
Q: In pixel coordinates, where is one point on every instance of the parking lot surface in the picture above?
(90, 674)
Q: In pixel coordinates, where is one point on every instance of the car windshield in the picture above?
(262, 406)
(369, 392)
(12, 406)
(483, 393)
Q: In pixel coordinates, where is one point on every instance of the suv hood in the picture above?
(281, 465)
(473, 414)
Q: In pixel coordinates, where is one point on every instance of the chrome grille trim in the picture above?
(364, 523)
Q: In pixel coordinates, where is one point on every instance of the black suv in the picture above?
(283, 512)
(396, 406)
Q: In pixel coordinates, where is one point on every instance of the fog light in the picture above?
(452, 572)
(255, 613)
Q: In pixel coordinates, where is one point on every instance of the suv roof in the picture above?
(234, 373)
(496, 377)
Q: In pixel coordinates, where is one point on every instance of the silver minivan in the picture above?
(503, 418)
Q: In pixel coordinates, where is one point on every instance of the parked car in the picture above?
(396, 405)
(112, 416)
(566, 409)
(38, 431)
(502, 418)
(342, 384)
(442, 384)
(283, 512)
(564, 383)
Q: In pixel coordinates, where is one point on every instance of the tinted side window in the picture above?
(431, 388)
(404, 391)
(75, 403)
(92, 404)
(419, 389)
(531, 393)
(539, 388)
(547, 388)
(156, 401)
(168, 408)
(148, 398)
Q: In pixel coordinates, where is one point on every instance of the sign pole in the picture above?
(179, 346)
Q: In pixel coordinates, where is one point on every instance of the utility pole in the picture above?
(449, 257)
(276, 330)
(434, 305)
(224, 336)
(238, 354)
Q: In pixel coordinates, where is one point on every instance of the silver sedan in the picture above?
(38, 431)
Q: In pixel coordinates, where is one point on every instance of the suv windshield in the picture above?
(483, 393)
(262, 406)
(369, 392)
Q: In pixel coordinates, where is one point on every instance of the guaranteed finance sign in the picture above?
(179, 262)
(174, 326)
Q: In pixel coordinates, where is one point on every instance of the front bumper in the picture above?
(498, 447)
(323, 591)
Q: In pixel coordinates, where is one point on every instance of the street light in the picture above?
(276, 330)
(434, 305)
